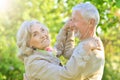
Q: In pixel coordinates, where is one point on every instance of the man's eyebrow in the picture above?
(73, 18)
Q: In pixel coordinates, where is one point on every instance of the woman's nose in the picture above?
(44, 36)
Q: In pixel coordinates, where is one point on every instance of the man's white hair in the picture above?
(23, 37)
(88, 11)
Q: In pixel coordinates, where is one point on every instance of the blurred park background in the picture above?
(54, 13)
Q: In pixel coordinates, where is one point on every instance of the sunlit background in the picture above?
(4, 4)
(54, 13)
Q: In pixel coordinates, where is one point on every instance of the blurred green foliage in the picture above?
(54, 13)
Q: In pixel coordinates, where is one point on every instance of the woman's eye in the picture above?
(34, 35)
(42, 30)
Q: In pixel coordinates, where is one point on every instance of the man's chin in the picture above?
(77, 36)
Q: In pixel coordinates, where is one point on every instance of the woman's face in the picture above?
(39, 37)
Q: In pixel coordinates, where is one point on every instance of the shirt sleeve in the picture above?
(75, 65)
(59, 45)
(98, 75)
(65, 43)
(43, 69)
(69, 45)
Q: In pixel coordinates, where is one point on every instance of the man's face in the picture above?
(80, 23)
(39, 37)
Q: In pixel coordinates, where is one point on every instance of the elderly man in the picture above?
(84, 20)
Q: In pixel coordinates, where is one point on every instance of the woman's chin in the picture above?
(46, 45)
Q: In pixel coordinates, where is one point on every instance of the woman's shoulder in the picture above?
(43, 55)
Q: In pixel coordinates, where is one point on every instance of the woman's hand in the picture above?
(69, 25)
(92, 44)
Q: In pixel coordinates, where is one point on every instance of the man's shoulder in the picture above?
(90, 46)
(93, 43)
(92, 40)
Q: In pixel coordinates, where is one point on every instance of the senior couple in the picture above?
(85, 61)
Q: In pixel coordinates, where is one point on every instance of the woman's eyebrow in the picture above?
(45, 29)
(42, 28)
(34, 32)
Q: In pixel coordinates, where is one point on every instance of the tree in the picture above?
(52, 13)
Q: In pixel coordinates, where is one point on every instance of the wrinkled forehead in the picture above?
(76, 14)
(38, 26)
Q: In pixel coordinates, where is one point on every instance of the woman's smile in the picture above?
(40, 37)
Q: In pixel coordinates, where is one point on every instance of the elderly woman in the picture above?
(33, 42)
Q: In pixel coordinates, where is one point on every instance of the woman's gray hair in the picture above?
(88, 11)
(23, 37)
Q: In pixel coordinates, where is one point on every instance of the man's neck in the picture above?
(89, 33)
(88, 36)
